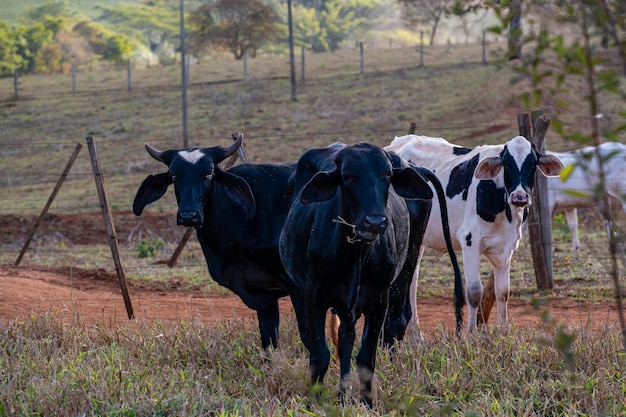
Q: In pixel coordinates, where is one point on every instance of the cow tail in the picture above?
(459, 293)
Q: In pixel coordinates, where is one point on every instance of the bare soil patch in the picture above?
(95, 296)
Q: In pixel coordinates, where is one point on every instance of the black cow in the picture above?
(344, 242)
(238, 215)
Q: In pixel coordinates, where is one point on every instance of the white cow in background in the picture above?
(577, 191)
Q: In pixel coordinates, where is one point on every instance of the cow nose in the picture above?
(519, 199)
(188, 218)
(375, 224)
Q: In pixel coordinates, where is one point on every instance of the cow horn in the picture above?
(238, 138)
(155, 153)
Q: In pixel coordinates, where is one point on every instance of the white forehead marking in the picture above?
(519, 148)
(191, 157)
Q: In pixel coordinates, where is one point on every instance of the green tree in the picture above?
(30, 39)
(429, 13)
(117, 48)
(57, 9)
(154, 22)
(49, 59)
(332, 22)
(10, 59)
(236, 26)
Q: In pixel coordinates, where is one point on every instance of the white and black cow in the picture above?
(238, 215)
(578, 189)
(345, 241)
(488, 190)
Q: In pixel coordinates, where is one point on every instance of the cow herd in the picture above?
(344, 229)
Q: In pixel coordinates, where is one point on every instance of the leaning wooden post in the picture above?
(541, 249)
(541, 202)
(49, 203)
(108, 223)
(241, 153)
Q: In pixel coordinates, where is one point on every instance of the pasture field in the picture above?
(64, 363)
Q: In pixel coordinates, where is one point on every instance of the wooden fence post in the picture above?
(302, 63)
(73, 79)
(16, 90)
(48, 203)
(361, 58)
(421, 48)
(129, 77)
(541, 203)
(108, 223)
(484, 45)
(245, 66)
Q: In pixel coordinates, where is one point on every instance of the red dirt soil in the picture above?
(95, 295)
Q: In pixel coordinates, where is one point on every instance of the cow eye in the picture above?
(208, 177)
(172, 176)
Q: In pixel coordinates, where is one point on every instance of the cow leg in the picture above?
(572, 221)
(414, 323)
(299, 307)
(318, 348)
(269, 319)
(489, 297)
(473, 286)
(344, 350)
(366, 358)
(502, 278)
(399, 313)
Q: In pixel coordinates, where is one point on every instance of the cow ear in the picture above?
(238, 191)
(550, 165)
(322, 187)
(408, 183)
(488, 168)
(151, 189)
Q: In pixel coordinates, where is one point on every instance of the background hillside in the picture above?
(12, 10)
(453, 96)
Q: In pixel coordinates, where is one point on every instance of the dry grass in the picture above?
(150, 369)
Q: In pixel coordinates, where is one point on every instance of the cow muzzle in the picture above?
(520, 199)
(371, 227)
(188, 218)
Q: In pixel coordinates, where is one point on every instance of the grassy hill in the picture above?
(453, 96)
(12, 10)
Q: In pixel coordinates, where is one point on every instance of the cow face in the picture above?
(518, 161)
(363, 173)
(194, 172)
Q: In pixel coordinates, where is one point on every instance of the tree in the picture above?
(157, 21)
(30, 39)
(425, 12)
(10, 59)
(332, 22)
(236, 26)
(57, 9)
(110, 46)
